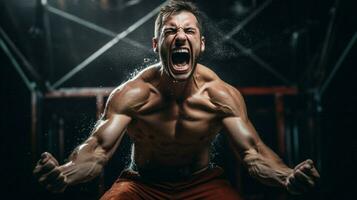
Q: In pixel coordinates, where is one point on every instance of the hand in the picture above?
(303, 178)
(49, 174)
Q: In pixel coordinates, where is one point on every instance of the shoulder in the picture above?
(226, 97)
(205, 74)
(133, 93)
(216, 87)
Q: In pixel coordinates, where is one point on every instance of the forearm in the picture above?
(85, 163)
(268, 170)
(262, 163)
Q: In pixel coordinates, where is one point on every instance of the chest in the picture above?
(193, 119)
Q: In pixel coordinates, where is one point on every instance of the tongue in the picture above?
(180, 64)
(180, 67)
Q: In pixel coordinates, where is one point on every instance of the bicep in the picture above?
(242, 134)
(109, 131)
(239, 128)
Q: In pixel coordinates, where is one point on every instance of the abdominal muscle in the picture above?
(163, 156)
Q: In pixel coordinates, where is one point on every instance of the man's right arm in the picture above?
(89, 158)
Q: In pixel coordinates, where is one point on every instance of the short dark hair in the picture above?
(175, 6)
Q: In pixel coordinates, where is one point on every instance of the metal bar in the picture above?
(61, 138)
(288, 142)
(34, 126)
(280, 122)
(247, 20)
(93, 26)
(49, 46)
(28, 83)
(107, 46)
(295, 140)
(338, 64)
(268, 90)
(33, 73)
(104, 92)
(328, 38)
(100, 105)
(78, 92)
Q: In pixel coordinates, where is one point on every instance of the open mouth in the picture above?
(180, 59)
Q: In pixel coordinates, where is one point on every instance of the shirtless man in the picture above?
(172, 111)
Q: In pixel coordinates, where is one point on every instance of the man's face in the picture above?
(179, 44)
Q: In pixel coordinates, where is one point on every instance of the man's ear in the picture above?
(203, 45)
(154, 44)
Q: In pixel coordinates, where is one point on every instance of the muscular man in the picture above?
(172, 111)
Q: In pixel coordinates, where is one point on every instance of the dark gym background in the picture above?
(293, 60)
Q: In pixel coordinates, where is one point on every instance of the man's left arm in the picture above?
(262, 163)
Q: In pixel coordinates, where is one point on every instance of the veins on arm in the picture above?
(261, 162)
(88, 159)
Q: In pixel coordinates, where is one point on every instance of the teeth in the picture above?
(180, 51)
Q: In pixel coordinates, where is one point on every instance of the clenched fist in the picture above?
(303, 177)
(49, 173)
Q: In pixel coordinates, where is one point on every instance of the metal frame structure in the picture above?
(249, 52)
(122, 36)
(46, 8)
(51, 91)
(105, 47)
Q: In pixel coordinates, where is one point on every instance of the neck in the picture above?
(176, 89)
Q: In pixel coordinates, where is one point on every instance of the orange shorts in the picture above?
(208, 184)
